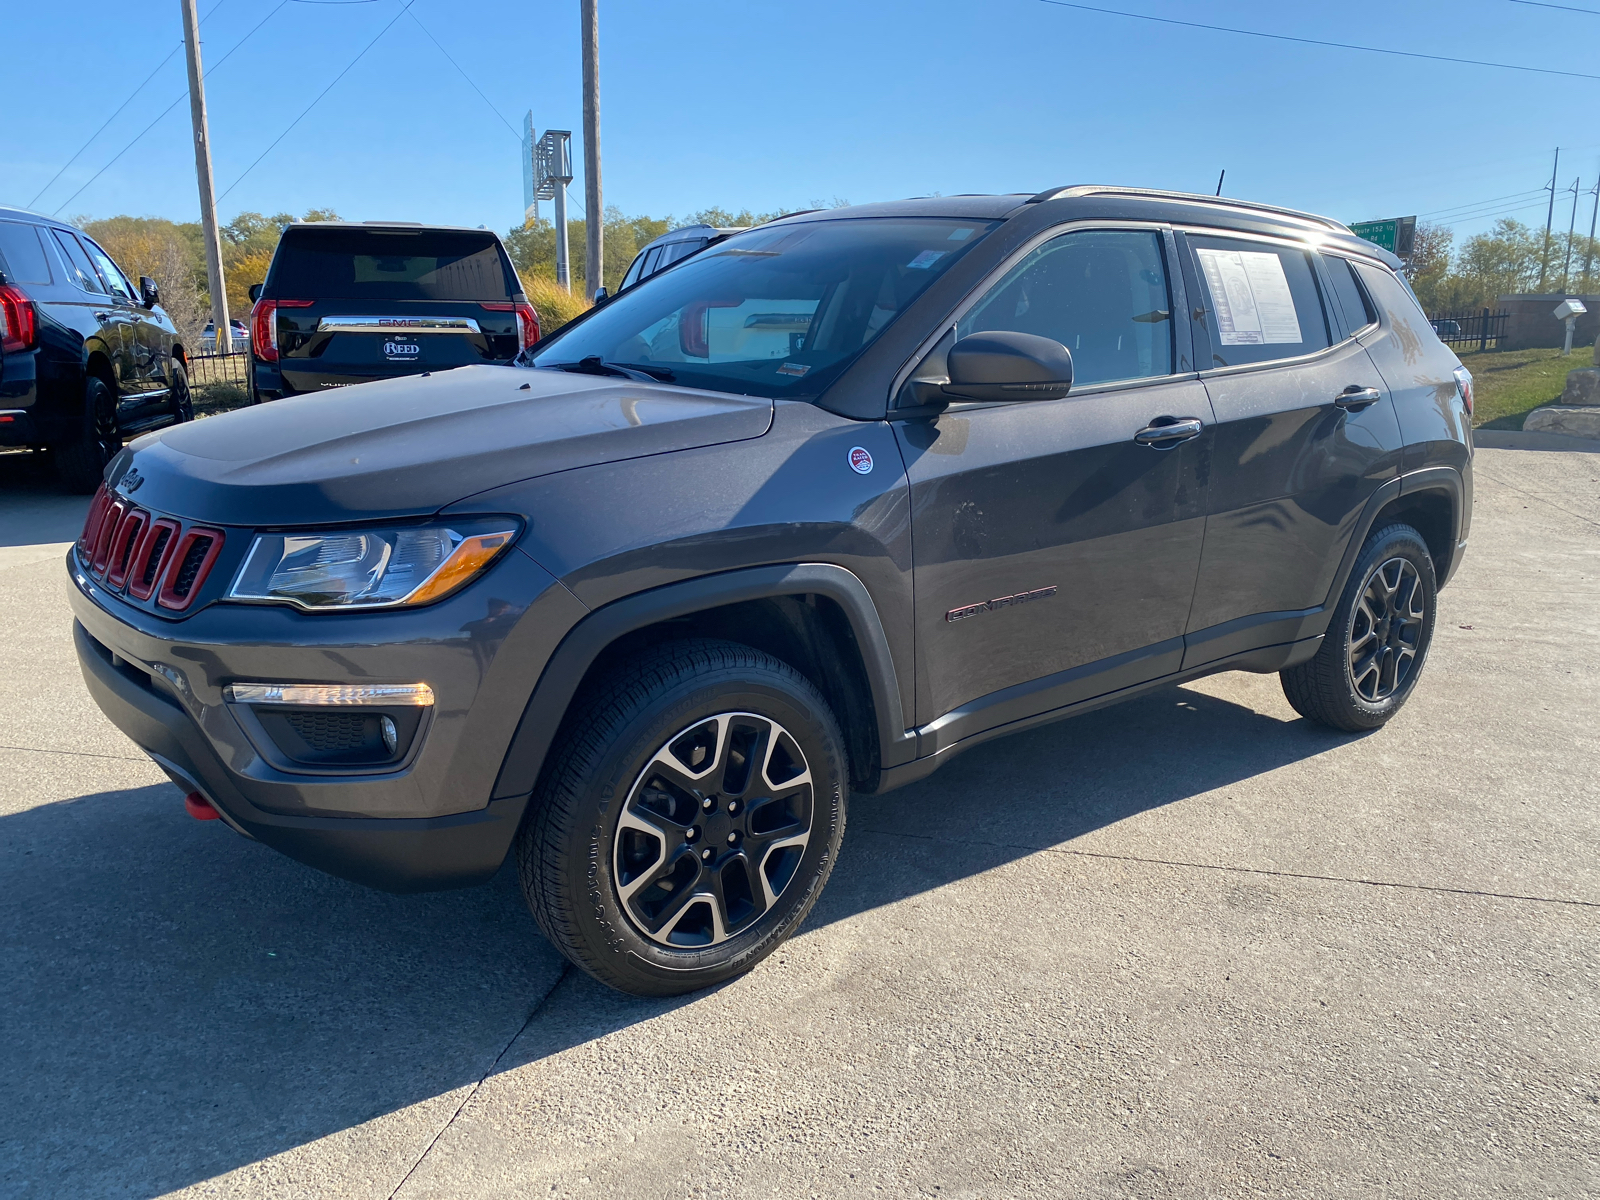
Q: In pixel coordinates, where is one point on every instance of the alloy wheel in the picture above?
(713, 830)
(1386, 627)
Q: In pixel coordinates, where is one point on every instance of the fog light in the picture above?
(391, 736)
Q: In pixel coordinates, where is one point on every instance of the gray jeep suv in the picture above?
(810, 513)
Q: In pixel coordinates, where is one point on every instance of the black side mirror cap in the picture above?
(255, 292)
(149, 293)
(600, 296)
(1008, 366)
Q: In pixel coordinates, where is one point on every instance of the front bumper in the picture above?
(428, 824)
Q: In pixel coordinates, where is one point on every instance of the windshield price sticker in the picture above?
(1251, 297)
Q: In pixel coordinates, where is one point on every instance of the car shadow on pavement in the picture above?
(34, 506)
(178, 1002)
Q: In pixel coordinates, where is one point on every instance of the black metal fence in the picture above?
(208, 370)
(1479, 330)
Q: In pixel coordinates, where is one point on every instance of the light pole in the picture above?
(1572, 228)
(593, 206)
(202, 168)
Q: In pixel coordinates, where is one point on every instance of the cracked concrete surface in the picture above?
(1191, 946)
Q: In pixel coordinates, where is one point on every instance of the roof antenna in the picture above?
(1219, 180)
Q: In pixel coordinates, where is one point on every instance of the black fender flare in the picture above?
(1427, 479)
(559, 680)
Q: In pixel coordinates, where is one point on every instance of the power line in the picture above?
(1563, 7)
(1481, 203)
(180, 98)
(120, 107)
(1284, 37)
(453, 63)
(319, 97)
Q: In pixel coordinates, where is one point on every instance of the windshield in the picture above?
(773, 312)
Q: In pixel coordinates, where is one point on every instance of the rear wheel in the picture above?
(1377, 641)
(688, 819)
(182, 397)
(82, 463)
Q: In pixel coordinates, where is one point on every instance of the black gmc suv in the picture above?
(86, 358)
(813, 511)
(345, 303)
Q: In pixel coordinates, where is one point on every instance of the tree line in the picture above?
(1511, 258)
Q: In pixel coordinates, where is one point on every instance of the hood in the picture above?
(408, 447)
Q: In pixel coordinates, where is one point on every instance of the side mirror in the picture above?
(149, 293)
(255, 292)
(600, 296)
(1008, 366)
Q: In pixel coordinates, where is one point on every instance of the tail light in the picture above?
(527, 320)
(1464, 384)
(19, 320)
(264, 326)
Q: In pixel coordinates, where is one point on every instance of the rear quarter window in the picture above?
(359, 264)
(21, 254)
(1352, 300)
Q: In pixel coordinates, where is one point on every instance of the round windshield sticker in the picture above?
(860, 460)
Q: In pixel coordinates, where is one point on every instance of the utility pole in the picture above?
(593, 206)
(1588, 254)
(1544, 255)
(202, 168)
(1572, 228)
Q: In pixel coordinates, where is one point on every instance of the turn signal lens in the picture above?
(342, 569)
(403, 695)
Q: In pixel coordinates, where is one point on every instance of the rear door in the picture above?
(358, 304)
(1305, 433)
(111, 316)
(1055, 548)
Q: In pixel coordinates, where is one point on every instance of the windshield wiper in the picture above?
(593, 365)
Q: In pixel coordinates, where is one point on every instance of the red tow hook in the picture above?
(198, 807)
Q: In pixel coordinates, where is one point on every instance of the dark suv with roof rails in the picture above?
(86, 358)
(810, 513)
(346, 302)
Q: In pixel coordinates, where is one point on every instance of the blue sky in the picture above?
(774, 105)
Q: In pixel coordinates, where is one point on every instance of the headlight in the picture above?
(370, 568)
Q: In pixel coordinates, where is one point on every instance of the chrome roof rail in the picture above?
(1093, 189)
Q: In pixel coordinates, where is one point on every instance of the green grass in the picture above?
(1509, 384)
(211, 399)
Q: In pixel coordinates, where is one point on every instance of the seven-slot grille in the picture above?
(145, 554)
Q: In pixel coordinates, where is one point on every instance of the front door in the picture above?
(1305, 433)
(1055, 554)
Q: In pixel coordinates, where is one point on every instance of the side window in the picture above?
(632, 277)
(21, 256)
(1262, 301)
(1357, 308)
(1395, 297)
(1101, 293)
(109, 271)
(651, 258)
(79, 269)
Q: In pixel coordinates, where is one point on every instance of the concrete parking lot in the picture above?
(1191, 946)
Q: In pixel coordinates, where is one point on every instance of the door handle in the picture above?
(1354, 398)
(104, 316)
(1166, 432)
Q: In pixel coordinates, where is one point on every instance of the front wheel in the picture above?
(689, 816)
(1377, 641)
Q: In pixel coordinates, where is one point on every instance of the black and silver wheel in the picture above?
(82, 463)
(689, 816)
(1378, 638)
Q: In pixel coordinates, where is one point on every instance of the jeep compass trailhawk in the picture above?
(811, 512)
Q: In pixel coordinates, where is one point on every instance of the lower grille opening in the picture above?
(365, 737)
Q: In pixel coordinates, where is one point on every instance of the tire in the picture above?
(613, 855)
(1378, 639)
(182, 397)
(81, 463)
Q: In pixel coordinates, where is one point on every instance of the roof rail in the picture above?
(1093, 189)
